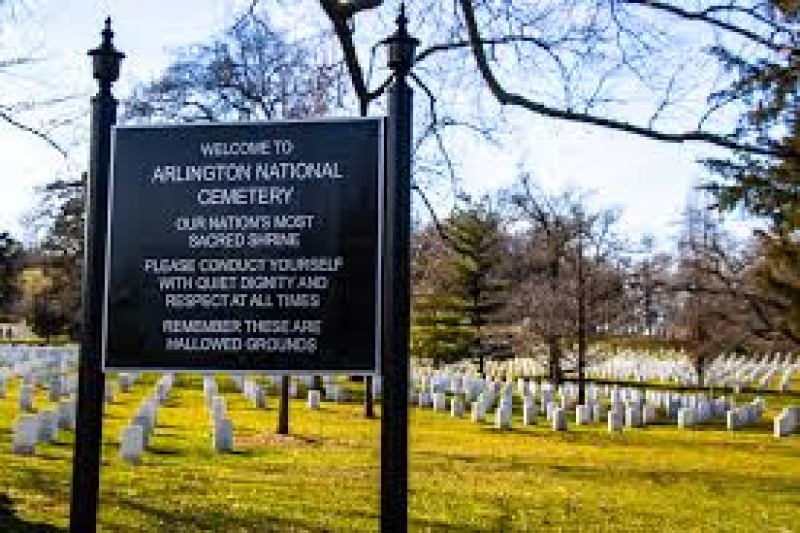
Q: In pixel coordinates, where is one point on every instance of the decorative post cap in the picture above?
(105, 58)
(401, 44)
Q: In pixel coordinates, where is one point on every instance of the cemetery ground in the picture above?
(464, 476)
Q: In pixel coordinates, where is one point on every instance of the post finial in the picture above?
(107, 33)
(402, 19)
(401, 44)
(106, 58)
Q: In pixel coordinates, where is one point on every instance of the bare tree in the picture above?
(598, 286)
(720, 304)
(250, 72)
(539, 294)
(570, 59)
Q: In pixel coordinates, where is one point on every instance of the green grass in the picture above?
(464, 476)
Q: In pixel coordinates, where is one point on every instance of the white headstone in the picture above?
(25, 433)
(66, 415)
(732, 420)
(217, 407)
(143, 422)
(478, 411)
(259, 396)
(529, 413)
(686, 417)
(223, 435)
(560, 419)
(583, 415)
(125, 382)
(648, 414)
(439, 401)
(131, 443)
(783, 425)
(26, 392)
(502, 418)
(597, 413)
(314, 399)
(615, 419)
(457, 407)
(48, 427)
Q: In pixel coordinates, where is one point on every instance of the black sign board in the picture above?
(248, 246)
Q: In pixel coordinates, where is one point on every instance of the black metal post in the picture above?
(369, 400)
(283, 408)
(397, 288)
(91, 382)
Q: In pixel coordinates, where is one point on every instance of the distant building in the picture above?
(10, 331)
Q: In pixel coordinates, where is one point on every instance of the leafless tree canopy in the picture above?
(649, 68)
(251, 72)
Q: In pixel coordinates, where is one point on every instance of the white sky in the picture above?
(648, 180)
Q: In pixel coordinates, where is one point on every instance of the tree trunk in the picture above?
(554, 359)
(317, 385)
(479, 350)
(283, 410)
(699, 367)
(581, 327)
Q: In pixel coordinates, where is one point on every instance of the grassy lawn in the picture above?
(464, 476)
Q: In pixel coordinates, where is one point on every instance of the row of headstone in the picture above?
(331, 390)
(255, 393)
(745, 415)
(42, 427)
(135, 436)
(631, 408)
(747, 371)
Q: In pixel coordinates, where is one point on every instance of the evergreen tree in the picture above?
(439, 330)
(769, 187)
(478, 285)
(459, 287)
(10, 264)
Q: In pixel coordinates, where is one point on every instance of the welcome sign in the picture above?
(250, 246)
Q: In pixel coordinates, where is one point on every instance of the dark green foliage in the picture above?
(456, 305)
(440, 331)
(478, 280)
(48, 318)
(778, 276)
(10, 264)
(768, 188)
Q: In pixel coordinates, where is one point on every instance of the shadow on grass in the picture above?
(164, 451)
(11, 523)
(214, 520)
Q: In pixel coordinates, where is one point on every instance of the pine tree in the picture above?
(10, 264)
(460, 288)
(478, 281)
(440, 331)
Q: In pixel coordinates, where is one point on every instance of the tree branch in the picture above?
(705, 16)
(33, 131)
(505, 97)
